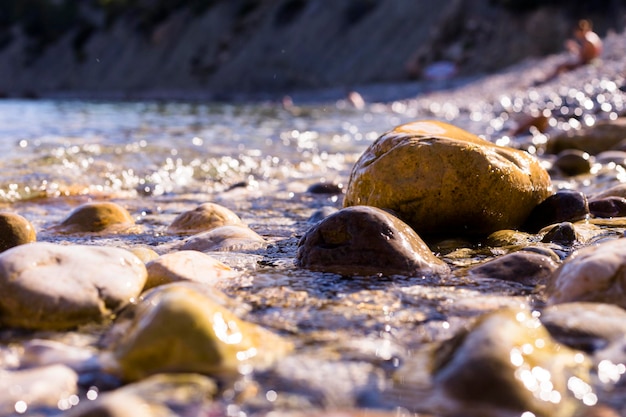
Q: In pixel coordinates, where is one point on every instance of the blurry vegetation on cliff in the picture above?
(45, 21)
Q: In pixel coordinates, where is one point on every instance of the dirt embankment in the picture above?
(232, 47)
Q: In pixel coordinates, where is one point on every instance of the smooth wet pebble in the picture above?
(321, 213)
(561, 233)
(225, 238)
(608, 207)
(186, 265)
(585, 325)
(572, 162)
(26, 390)
(56, 286)
(594, 273)
(443, 180)
(162, 395)
(325, 188)
(176, 328)
(15, 230)
(563, 206)
(96, 217)
(366, 240)
(506, 362)
(205, 217)
(525, 267)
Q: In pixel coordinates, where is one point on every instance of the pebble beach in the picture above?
(159, 264)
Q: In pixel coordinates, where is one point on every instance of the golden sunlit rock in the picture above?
(507, 362)
(205, 217)
(96, 217)
(179, 329)
(443, 180)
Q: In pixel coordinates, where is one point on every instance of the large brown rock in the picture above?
(442, 180)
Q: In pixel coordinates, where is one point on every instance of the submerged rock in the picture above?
(594, 273)
(525, 267)
(178, 329)
(205, 217)
(15, 230)
(443, 180)
(26, 390)
(162, 395)
(96, 217)
(186, 265)
(366, 240)
(225, 238)
(505, 363)
(320, 214)
(58, 287)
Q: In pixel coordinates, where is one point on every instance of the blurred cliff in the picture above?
(224, 48)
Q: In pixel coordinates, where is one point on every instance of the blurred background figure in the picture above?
(586, 46)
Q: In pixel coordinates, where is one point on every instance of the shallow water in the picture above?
(161, 158)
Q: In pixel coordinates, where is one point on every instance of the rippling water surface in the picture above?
(161, 158)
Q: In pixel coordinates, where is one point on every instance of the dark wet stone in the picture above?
(325, 188)
(542, 250)
(525, 267)
(366, 240)
(608, 207)
(563, 234)
(573, 162)
(321, 214)
(563, 206)
(15, 230)
(584, 325)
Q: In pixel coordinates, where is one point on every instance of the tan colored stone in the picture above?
(442, 180)
(15, 230)
(54, 286)
(186, 265)
(225, 238)
(594, 273)
(96, 217)
(144, 253)
(26, 390)
(205, 217)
